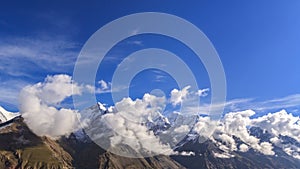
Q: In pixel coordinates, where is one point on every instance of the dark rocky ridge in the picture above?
(20, 148)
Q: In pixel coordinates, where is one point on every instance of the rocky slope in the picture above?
(209, 155)
(20, 148)
(112, 161)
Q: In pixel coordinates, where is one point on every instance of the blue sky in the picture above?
(258, 44)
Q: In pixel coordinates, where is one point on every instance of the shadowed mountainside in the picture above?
(20, 148)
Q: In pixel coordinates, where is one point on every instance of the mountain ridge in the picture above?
(21, 148)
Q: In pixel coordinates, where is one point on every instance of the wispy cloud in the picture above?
(135, 42)
(9, 91)
(52, 54)
(290, 102)
(287, 102)
(159, 75)
(104, 87)
(24, 61)
(134, 31)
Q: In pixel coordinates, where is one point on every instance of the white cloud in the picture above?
(103, 85)
(187, 153)
(177, 96)
(135, 42)
(203, 92)
(38, 106)
(56, 88)
(127, 118)
(205, 127)
(287, 102)
(182, 129)
(90, 88)
(279, 103)
(134, 31)
(205, 108)
(223, 155)
(266, 148)
(292, 151)
(49, 53)
(222, 133)
(243, 148)
(22, 60)
(126, 124)
(234, 124)
(280, 123)
(289, 148)
(291, 102)
(9, 91)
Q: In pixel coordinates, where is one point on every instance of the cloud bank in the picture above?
(231, 133)
(39, 102)
(128, 121)
(126, 124)
(237, 125)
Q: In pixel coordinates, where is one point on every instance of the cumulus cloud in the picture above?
(290, 149)
(182, 129)
(39, 102)
(222, 155)
(231, 133)
(126, 126)
(127, 121)
(237, 124)
(103, 85)
(225, 133)
(280, 123)
(233, 124)
(205, 127)
(177, 96)
(203, 92)
(187, 153)
(243, 148)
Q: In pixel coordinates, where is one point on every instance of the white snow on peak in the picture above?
(101, 107)
(223, 155)
(6, 115)
(111, 109)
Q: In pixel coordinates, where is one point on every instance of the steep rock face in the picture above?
(88, 155)
(20, 148)
(112, 161)
(85, 153)
(209, 155)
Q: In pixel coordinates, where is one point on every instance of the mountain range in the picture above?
(21, 148)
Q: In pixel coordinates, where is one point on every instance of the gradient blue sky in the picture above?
(258, 43)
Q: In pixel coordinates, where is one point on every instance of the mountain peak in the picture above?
(6, 116)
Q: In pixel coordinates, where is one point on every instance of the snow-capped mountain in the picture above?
(94, 113)
(6, 116)
(158, 123)
(21, 148)
(227, 147)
